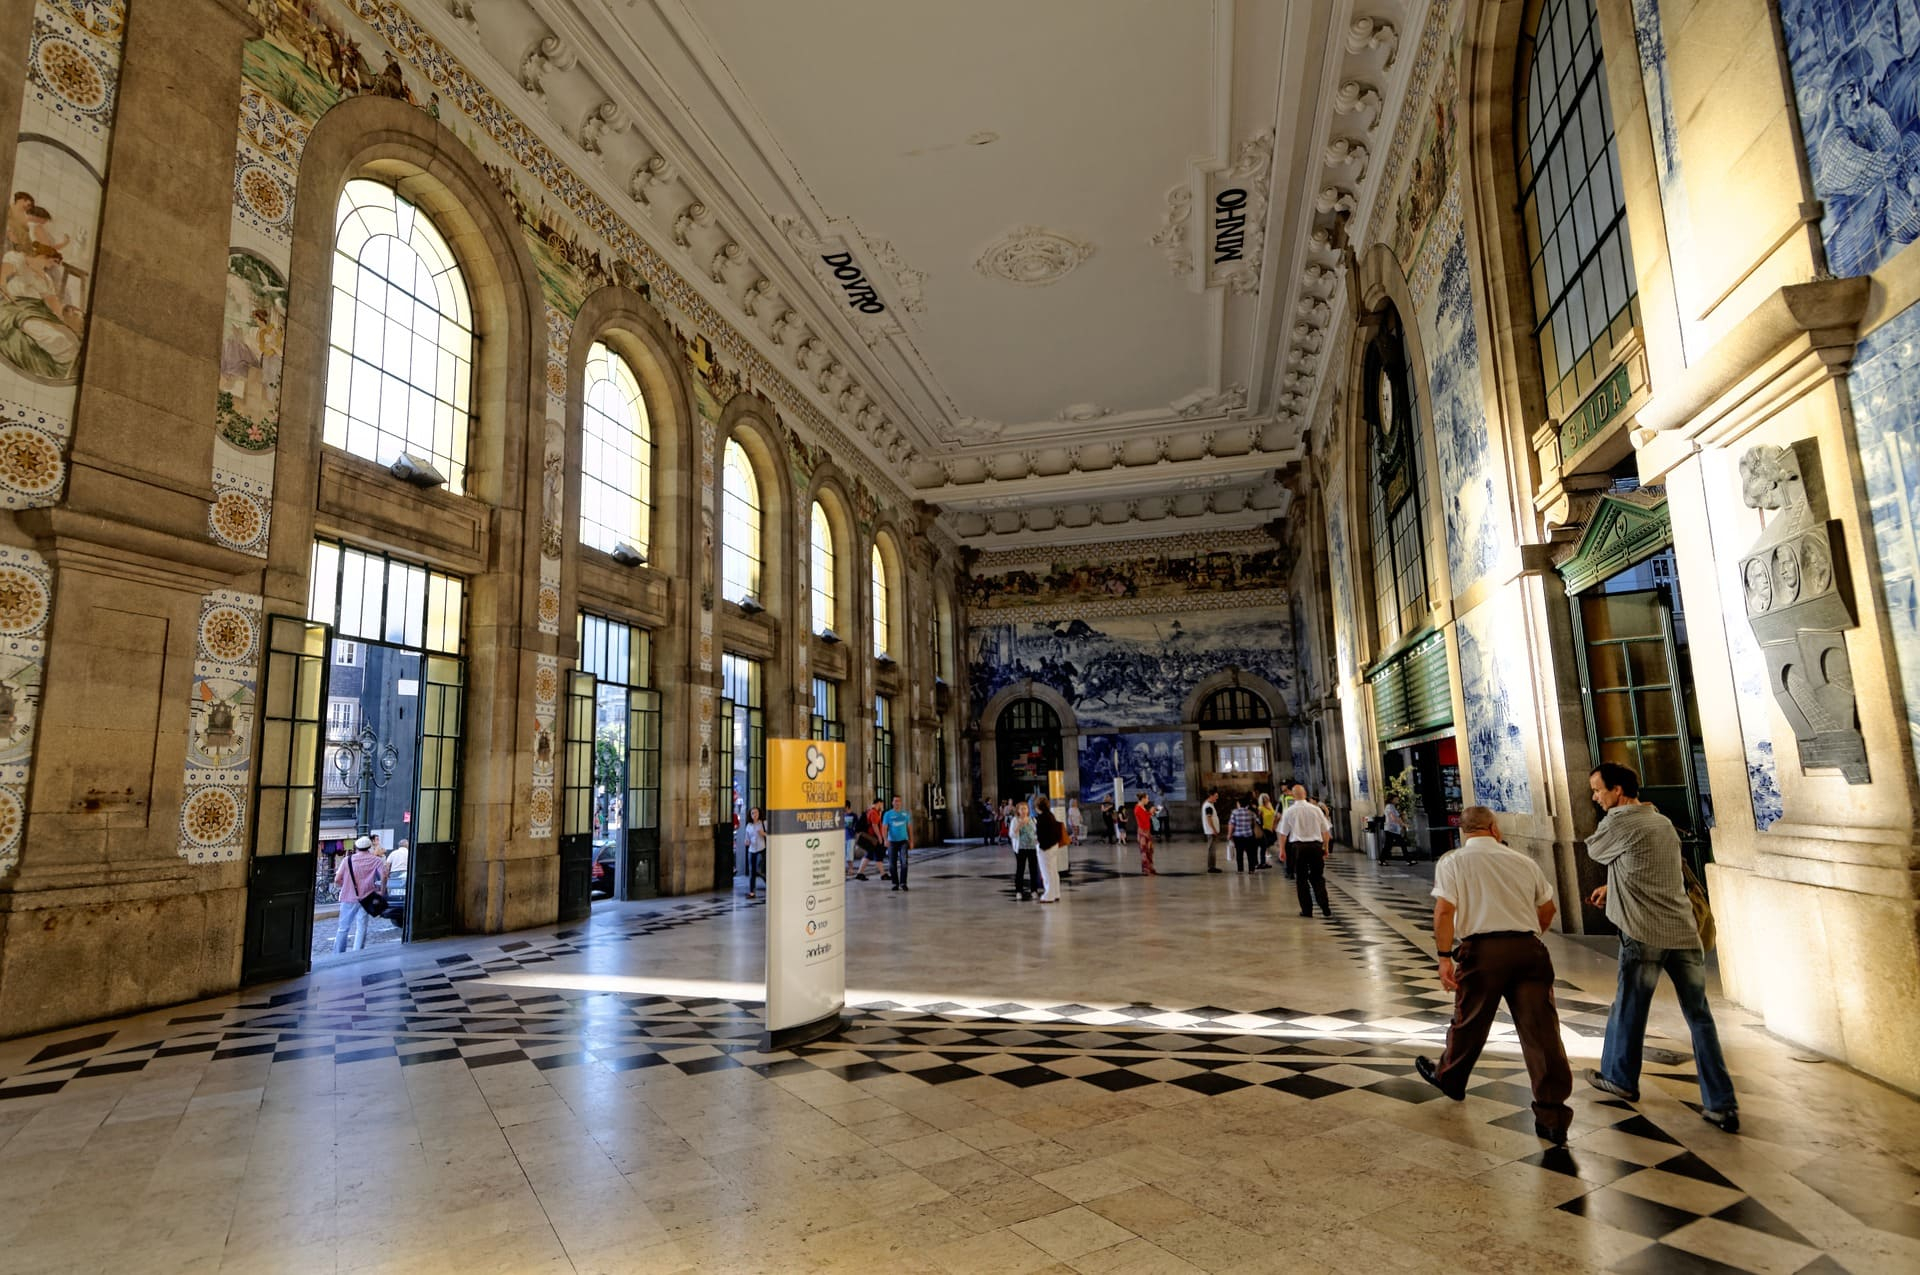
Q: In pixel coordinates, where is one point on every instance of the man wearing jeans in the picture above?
(1646, 899)
(899, 826)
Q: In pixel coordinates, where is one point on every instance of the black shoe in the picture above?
(859, 876)
(1431, 1074)
(1309, 915)
(1558, 1137)
(896, 887)
(1209, 869)
(1726, 1121)
(1612, 1090)
(906, 887)
(1327, 915)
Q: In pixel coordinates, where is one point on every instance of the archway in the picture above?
(1030, 745)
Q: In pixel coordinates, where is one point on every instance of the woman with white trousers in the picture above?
(1053, 850)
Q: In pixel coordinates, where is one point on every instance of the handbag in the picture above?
(374, 904)
(1702, 908)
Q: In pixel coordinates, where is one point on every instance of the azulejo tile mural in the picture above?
(1497, 693)
(220, 727)
(1154, 762)
(1886, 384)
(1651, 44)
(545, 747)
(1131, 670)
(26, 604)
(53, 222)
(1165, 574)
(1856, 78)
(1463, 447)
(1340, 571)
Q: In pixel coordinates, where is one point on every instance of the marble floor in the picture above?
(1174, 1074)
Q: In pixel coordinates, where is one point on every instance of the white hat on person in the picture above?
(364, 843)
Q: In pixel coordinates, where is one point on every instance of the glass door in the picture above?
(576, 799)
(723, 798)
(286, 802)
(1630, 668)
(432, 868)
(640, 876)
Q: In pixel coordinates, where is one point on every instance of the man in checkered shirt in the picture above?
(1240, 826)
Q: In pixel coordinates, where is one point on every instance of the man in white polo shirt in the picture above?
(1490, 905)
(1306, 833)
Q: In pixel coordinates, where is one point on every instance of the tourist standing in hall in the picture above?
(1076, 823)
(1308, 835)
(1210, 825)
(1646, 899)
(753, 841)
(1050, 835)
(1269, 833)
(1244, 829)
(360, 874)
(1491, 904)
(1025, 839)
(1143, 832)
(899, 828)
(852, 822)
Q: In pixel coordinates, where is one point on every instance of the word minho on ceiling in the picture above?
(853, 281)
(1229, 225)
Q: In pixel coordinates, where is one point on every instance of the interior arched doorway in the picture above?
(1028, 733)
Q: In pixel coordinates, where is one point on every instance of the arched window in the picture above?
(616, 456)
(1581, 262)
(882, 617)
(739, 526)
(823, 563)
(400, 367)
(1235, 706)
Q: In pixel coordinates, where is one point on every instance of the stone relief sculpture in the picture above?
(1797, 591)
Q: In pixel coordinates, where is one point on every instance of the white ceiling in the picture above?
(749, 139)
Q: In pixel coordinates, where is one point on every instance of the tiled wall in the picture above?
(1886, 385)
(1497, 692)
(1856, 77)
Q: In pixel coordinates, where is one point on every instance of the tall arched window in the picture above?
(1578, 253)
(739, 526)
(822, 570)
(882, 616)
(616, 456)
(400, 367)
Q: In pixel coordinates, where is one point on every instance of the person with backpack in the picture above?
(1647, 900)
(361, 879)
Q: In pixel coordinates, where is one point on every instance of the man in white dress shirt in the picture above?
(1490, 905)
(1306, 834)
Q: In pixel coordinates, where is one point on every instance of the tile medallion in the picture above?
(220, 727)
(26, 606)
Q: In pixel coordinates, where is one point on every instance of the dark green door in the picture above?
(1637, 707)
(286, 804)
(576, 829)
(433, 865)
(641, 879)
(723, 798)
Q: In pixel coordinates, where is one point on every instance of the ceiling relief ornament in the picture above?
(1372, 33)
(1357, 98)
(550, 53)
(1210, 402)
(846, 264)
(655, 172)
(1082, 413)
(1033, 256)
(1173, 238)
(973, 430)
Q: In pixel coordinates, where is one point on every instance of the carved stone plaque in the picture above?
(1799, 601)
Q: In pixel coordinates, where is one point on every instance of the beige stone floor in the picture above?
(1156, 1075)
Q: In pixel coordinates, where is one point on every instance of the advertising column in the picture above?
(806, 884)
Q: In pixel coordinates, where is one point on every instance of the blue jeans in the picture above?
(353, 918)
(1640, 966)
(897, 861)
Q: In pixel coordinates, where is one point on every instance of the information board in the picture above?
(806, 889)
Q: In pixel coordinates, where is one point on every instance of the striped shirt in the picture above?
(1240, 822)
(1646, 895)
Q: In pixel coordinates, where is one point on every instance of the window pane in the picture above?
(394, 314)
(739, 526)
(616, 470)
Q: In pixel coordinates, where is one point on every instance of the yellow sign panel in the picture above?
(806, 774)
(1057, 785)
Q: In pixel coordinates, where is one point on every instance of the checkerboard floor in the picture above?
(1167, 1074)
